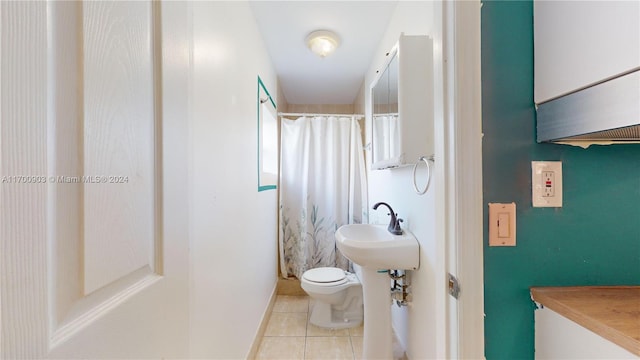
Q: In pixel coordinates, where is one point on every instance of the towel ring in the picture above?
(415, 167)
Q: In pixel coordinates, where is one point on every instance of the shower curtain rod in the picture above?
(357, 116)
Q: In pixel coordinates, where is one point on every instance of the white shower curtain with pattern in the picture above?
(322, 187)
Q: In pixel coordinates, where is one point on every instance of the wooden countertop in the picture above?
(612, 312)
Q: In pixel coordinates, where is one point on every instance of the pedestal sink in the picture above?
(376, 250)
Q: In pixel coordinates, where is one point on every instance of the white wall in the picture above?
(416, 325)
(233, 226)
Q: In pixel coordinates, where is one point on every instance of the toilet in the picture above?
(338, 297)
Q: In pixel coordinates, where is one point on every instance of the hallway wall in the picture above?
(233, 226)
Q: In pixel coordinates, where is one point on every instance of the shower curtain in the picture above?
(322, 187)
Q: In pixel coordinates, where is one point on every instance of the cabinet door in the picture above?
(581, 43)
(557, 337)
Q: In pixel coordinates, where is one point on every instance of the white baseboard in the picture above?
(253, 351)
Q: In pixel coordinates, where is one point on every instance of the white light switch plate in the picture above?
(502, 224)
(546, 183)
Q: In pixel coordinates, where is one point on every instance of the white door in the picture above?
(94, 253)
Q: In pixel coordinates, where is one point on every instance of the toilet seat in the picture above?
(325, 276)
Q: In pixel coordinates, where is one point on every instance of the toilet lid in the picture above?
(324, 275)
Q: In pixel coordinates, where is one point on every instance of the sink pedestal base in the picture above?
(378, 336)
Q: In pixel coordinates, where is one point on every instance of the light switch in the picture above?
(502, 224)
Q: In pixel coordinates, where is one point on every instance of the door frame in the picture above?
(463, 198)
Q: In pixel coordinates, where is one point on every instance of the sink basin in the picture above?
(375, 247)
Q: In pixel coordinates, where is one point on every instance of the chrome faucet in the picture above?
(394, 224)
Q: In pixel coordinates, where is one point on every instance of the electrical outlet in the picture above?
(548, 186)
(546, 183)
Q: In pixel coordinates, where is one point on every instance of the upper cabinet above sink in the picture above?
(402, 105)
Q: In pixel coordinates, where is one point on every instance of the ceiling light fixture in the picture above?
(323, 42)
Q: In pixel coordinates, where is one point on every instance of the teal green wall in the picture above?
(594, 239)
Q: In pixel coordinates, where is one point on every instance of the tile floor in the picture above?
(289, 335)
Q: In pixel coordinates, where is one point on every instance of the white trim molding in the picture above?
(464, 177)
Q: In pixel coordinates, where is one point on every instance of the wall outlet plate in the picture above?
(546, 183)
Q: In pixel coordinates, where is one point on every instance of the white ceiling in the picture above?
(306, 78)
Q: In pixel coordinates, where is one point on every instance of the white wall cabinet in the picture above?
(402, 105)
(582, 43)
(557, 337)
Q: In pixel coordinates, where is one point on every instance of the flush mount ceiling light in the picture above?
(322, 42)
